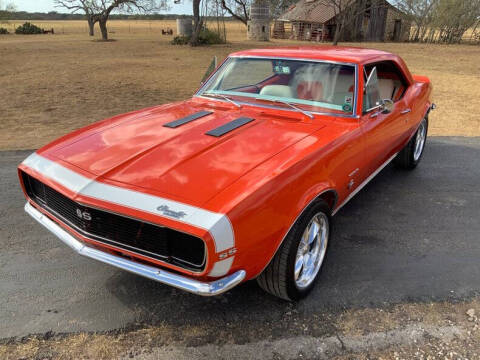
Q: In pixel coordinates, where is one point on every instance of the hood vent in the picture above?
(232, 125)
(187, 119)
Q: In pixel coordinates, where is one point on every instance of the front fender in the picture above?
(265, 223)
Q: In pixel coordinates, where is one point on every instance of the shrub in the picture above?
(209, 37)
(3, 31)
(28, 28)
(206, 37)
(180, 40)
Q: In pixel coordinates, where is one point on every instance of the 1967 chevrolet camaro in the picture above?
(242, 180)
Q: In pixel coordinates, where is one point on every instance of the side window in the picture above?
(391, 82)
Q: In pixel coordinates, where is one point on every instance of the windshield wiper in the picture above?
(223, 97)
(304, 112)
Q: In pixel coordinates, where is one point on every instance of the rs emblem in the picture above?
(85, 215)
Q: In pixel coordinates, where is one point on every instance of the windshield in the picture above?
(310, 85)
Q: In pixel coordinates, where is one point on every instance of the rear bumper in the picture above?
(178, 281)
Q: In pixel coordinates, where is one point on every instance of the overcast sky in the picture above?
(47, 5)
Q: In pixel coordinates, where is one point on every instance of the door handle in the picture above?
(406, 111)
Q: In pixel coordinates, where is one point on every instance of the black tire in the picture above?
(406, 158)
(278, 278)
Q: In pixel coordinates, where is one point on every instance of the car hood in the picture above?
(183, 163)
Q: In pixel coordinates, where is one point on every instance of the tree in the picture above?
(278, 7)
(6, 10)
(100, 10)
(197, 23)
(8, 7)
(81, 5)
(441, 20)
(238, 9)
(452, 18)
(420, 12)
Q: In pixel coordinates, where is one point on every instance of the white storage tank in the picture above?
(184, 27)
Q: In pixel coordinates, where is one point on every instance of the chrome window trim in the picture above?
(355, 95)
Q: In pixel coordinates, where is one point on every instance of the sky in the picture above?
(47, 5)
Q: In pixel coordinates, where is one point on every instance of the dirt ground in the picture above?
(52, 84)
(414, 331)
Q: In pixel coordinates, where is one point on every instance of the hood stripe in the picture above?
(230, 126)
(187, 119)
(218, 225)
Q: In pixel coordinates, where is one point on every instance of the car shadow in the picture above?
(407, 236)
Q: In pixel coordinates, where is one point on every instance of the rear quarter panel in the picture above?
(419, 95)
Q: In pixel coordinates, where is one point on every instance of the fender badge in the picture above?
(165, 210)
(228, 253)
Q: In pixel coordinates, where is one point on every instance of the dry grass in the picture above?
(52, 84)
(353, 322)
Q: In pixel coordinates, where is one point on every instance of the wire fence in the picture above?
(123, 27)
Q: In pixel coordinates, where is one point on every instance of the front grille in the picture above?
(156, 242)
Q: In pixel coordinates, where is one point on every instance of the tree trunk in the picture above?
(91, 25)
(339, 30)
(103, 28)
(417, 33)
(197, 23)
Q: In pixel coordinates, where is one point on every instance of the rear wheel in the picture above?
(293, 270)
(412, 153)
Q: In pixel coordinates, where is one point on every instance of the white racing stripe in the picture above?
(218, 225)
(221, 267)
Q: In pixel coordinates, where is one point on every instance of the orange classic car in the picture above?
(242, 180)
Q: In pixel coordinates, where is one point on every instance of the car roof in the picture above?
(329, 53)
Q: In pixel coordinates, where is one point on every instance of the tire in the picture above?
(410, 155)
(278, 278)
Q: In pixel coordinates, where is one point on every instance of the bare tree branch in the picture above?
(100, 10)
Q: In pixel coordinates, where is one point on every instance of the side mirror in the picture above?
(387, 106)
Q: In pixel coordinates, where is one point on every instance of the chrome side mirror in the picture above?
(387, 106)
(384, 107)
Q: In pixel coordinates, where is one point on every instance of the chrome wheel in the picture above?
(420, 141)
(311, 250)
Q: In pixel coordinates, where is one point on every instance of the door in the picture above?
(385, 130)
(397, 30)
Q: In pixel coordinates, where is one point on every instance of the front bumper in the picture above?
(178, 281)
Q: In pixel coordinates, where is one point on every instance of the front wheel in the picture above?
(412, 153)
(293, 270)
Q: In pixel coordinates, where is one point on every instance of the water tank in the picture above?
(258, 27)
(184, 27)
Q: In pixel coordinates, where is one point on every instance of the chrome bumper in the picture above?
(181, 282)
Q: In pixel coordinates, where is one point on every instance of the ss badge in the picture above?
(85, 215)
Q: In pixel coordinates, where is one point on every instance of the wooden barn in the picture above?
(317, 20)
